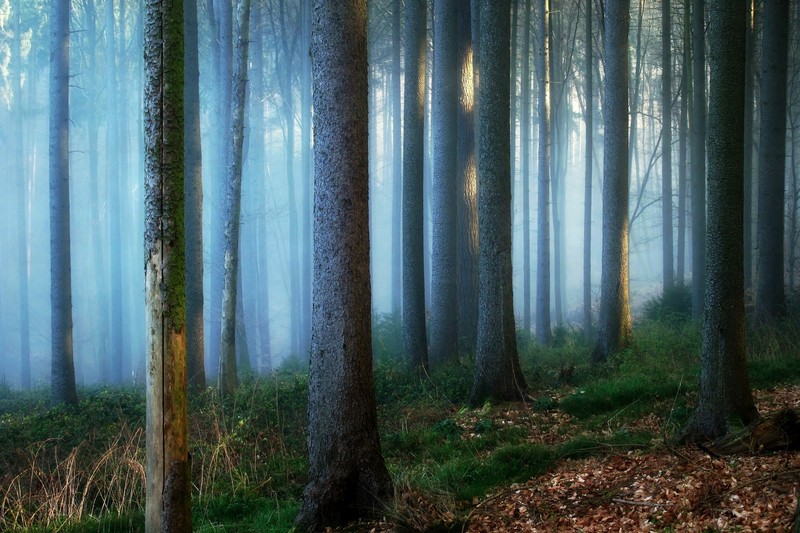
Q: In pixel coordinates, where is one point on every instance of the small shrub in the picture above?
(673, 306)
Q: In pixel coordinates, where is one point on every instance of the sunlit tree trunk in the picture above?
(770, 298)
(698, 157)
(168, 502)
(193, 193)
(233, 202)
(497, 371)
(62, 384)
(615, 314)
(347, 477)
(467, 209)
(444, 301)
(414, 327)
(668, 270)
(543, 71)
(724, 386)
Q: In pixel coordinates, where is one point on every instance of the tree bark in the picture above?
(525, 153)
(543, 71)
(587, 194)
(497, 370)
(444, 299)
(414, 327)
(724, 386)
(770, 298)
(615, 314)
(666, 146)
(347, 475)
(168, 503)
(193, 193)
(62, 385)
(698, 157)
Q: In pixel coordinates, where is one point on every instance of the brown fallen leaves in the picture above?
(661, 489)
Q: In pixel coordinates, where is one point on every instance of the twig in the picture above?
(638, 504)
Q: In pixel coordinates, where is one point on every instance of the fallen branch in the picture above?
(638, 504)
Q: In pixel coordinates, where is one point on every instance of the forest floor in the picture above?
(589, 450)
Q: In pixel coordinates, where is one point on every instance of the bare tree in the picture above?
(543, 72)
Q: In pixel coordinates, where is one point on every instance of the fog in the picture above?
(106, 185)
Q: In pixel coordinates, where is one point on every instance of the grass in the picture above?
(82, 468)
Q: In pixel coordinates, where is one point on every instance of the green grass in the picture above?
(248, 451)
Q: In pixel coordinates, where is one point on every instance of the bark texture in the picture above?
(666, 146)
(724, 386)
(444, 299)
(62, 380)
(543, 71)
(698, 156)
(347, 475)
(414, 328)
(497, 371)
(587, 193)
(615, 313)
(168, 487)
(770, 298)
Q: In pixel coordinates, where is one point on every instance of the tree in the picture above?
(724, 386)
(772, 161)
(414, 328)
(666, 146)
(62, 383)
(397, 163)
(683, 128)
(698, 157)
(168, 485)
(467, 208)
(346, 473)
(233, 202)
(543, 71)
(497, 370)
(749, 111)
(525, 152)
(193, 194)
(587, 194)
(444, 299)
(615, 313)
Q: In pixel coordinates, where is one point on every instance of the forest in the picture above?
(399, 265)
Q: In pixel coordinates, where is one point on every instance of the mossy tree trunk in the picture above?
(168, 484)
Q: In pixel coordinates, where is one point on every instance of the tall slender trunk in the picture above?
(698, 157)
(749, 105)
(587, 194)
(543, 72)
(397, 164)
(306, 175)
(525, 152)
(683, 132)
(666, 146)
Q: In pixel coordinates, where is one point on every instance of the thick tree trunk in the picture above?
(168, 503)
(233, 201)
(347, 476)
(724, 386)
(770, 298)
(193, 193)
(62, 384)
(414, 328)
(467, 209)
(497, 370)
(543, 71)
(444, 299)
(615, 314)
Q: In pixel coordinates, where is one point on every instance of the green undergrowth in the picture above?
(248, 451)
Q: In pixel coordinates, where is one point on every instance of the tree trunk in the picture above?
(666, 146)
(306, 175)
(770, 299)
(347, 475)
(525, 152)
(444, 300)
(193, 193)
(724, 386)
(467, 209)
(698, 157)
(62, 385)
(543, 333)
(414, 329)
(749, 109)
(683, 131)
(615, 314)
(233, 202)
(587, 194)
(397, 164)
(168, 503)
(497, 370)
